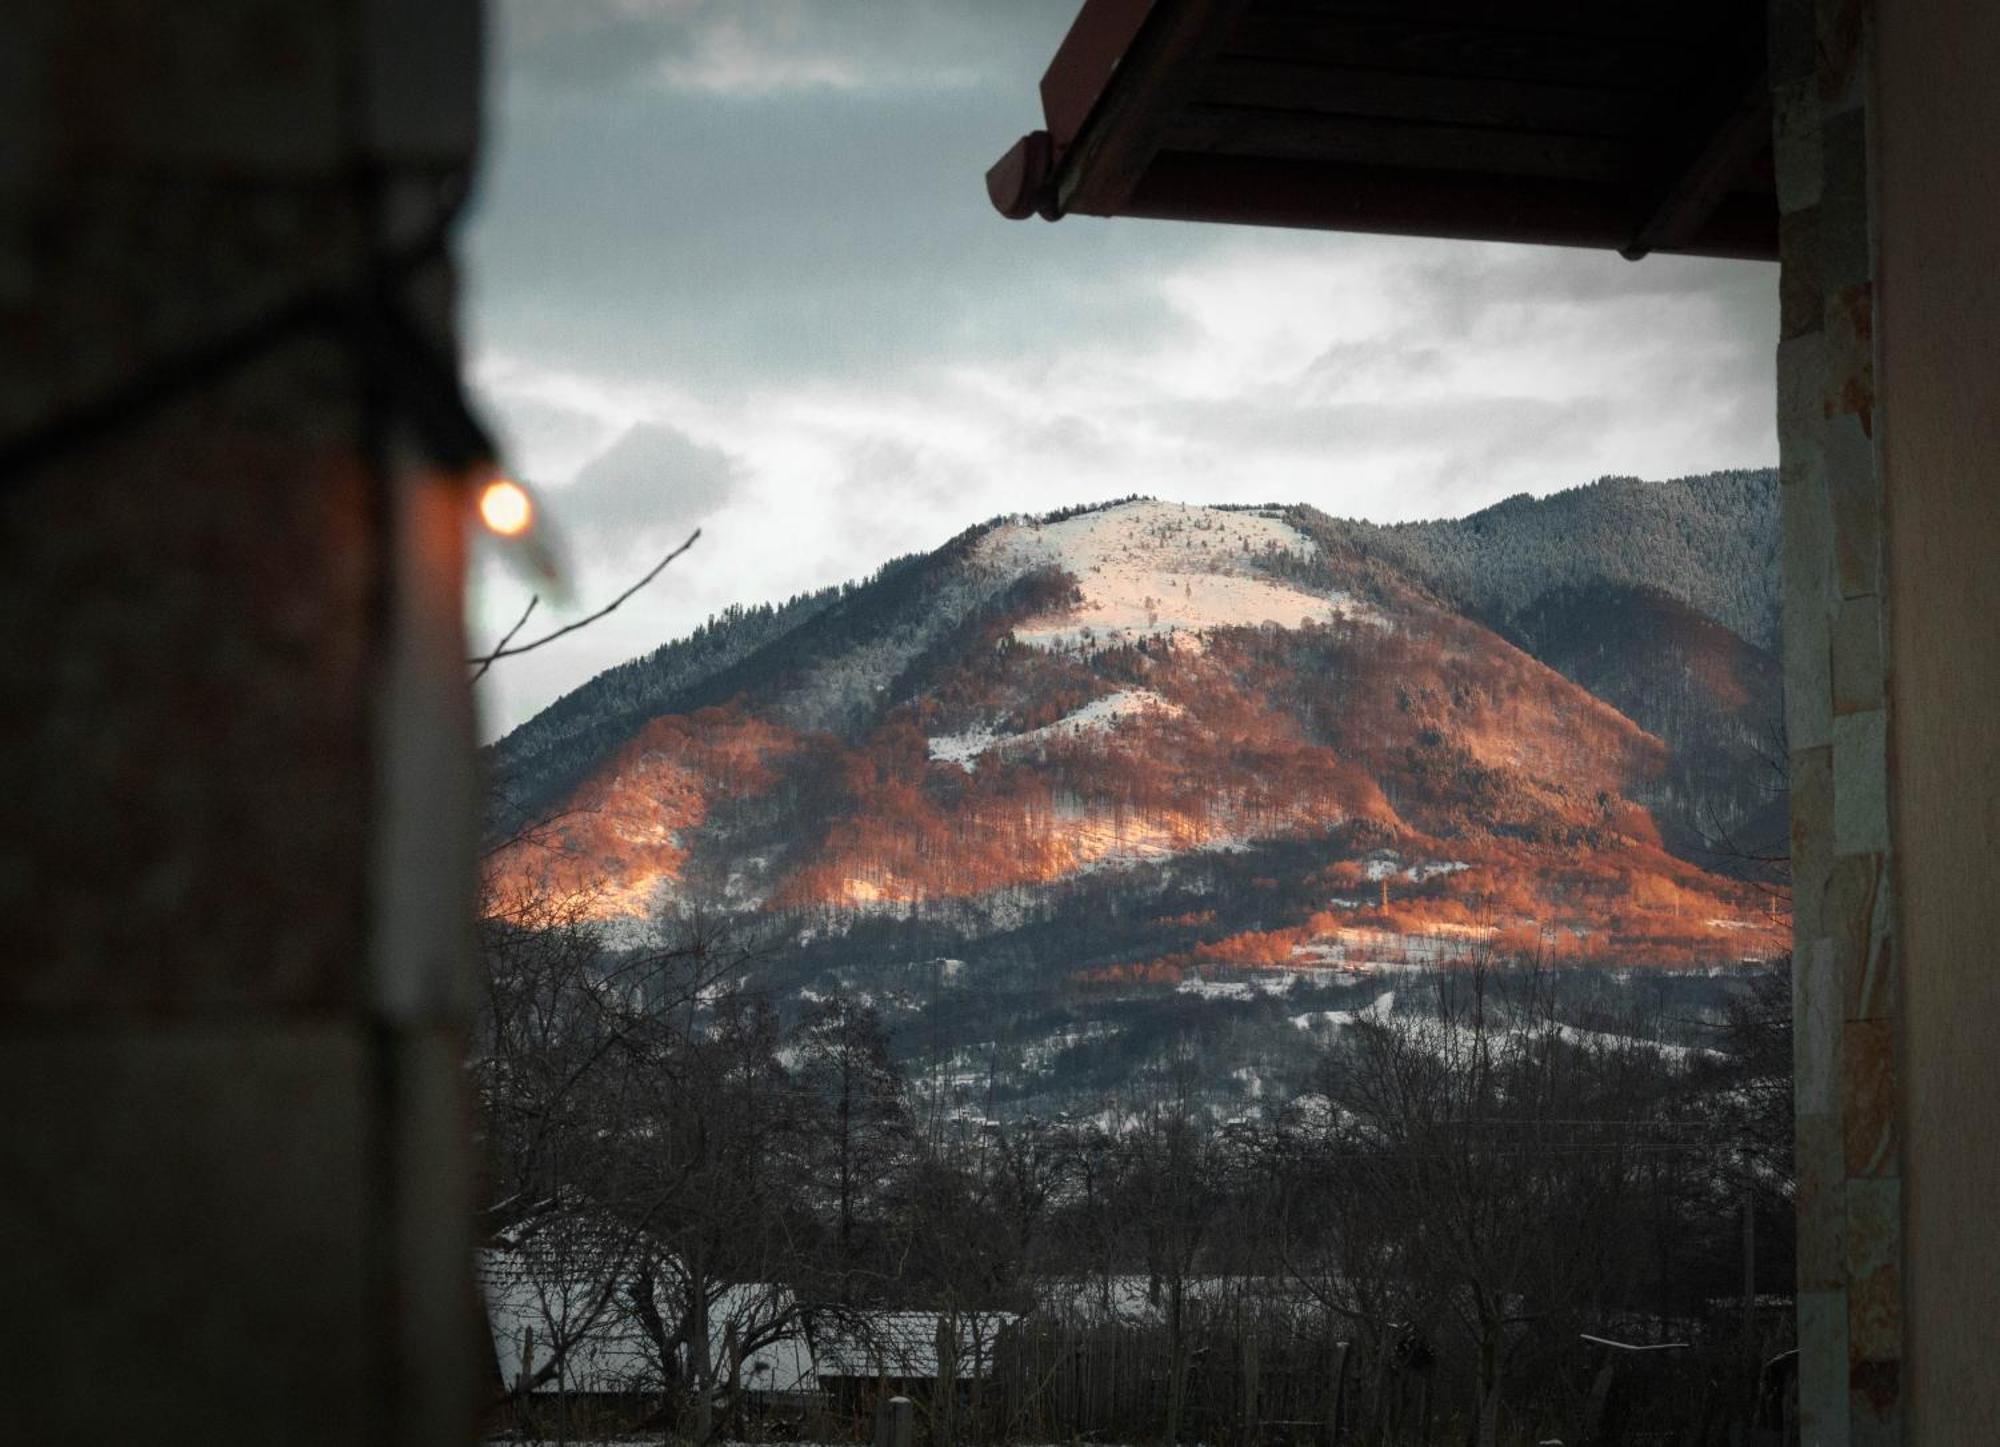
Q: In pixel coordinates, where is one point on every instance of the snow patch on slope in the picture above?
(1156, 569)
(1098, 716)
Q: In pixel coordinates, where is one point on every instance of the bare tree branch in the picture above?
(504, 651)
(500, 648)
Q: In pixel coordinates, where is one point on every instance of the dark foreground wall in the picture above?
(1938, 360)
(233, 727)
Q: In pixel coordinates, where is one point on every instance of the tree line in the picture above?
(1465, 1229)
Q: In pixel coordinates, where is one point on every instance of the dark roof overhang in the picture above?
(1639, 126)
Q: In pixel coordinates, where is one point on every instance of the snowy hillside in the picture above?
(1153, 569)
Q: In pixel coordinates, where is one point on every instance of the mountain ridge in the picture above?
(1144, 767)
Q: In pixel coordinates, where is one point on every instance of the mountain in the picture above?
(1068, 779)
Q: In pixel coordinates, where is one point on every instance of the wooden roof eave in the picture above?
(1107, 153)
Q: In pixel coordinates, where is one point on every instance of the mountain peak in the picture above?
(1149, 569)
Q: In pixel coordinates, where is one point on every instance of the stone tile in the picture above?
(185, 1225)
(1795, 128)
(1860, 783)
(1809, 600)
(1821, 1203)
(1846, 911)
(1817, 1017)
(1801, 309)
(1868, 1098)
(1801, 384)
(1857, 654)
(1849, 321)
(1843, 41)
(1823, 1369)
(1853, 915)
(1875, 1405)
(1878, 992)
(1874, 1271)
(1845, 248)
(1854, 505)
(1811, 803)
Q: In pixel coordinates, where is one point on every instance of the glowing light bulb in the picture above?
(505, 508)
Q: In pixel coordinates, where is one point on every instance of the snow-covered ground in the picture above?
(1379, 1008)
(1159, 569)
(1100, 715)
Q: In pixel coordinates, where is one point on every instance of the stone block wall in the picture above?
(1845, 961)
(235, 803)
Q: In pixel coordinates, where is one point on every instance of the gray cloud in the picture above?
(651, 483)
(744, 245)
(762, 46)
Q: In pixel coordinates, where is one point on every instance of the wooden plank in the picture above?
(1419, 202)
(1635, 19)
(1446, 100)
(1439, 48)
(1091, 50)
(1151, 84)
(1371, 141)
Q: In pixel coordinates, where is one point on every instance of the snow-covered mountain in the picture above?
(1152, 747)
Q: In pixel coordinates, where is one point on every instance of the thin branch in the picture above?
(500, 648)
(482, 664)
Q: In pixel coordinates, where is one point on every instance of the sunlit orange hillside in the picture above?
(1320, 753)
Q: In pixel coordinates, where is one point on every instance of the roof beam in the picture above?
(1685, 187)
(1420, 201)
(1151, 85)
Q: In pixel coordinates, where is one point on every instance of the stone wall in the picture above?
(234, 734)
(1889, 367)
(1845, 963)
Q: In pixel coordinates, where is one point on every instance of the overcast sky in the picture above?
(732, 266)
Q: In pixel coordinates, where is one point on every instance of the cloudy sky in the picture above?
(732, 266)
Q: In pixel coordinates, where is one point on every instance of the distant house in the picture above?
(564, 1312)
(564, 1309)
(862, 1355)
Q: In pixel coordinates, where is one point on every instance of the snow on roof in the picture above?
(568, 1290)
(535, 1310)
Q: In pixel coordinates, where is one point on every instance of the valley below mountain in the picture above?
(1076, 789)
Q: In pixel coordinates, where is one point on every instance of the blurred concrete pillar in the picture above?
(235, 803)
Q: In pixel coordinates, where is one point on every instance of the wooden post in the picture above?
(1249, 1383)
(902, 1422)
(945, 1385)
